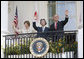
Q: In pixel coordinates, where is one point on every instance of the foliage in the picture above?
(61, 46)
(18, 49)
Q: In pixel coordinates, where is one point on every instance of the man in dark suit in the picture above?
(59, 25)
(41, 29)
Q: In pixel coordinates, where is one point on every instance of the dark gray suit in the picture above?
(60, 27)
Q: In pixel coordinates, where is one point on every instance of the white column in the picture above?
(80, 43)
(4, 24)
(4, 16)
(80, 28)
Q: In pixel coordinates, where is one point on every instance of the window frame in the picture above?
(65, 2)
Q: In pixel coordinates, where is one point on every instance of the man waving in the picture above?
(58, 26)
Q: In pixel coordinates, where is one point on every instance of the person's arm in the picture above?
(34, 26)
(17, 30)
(66, 18)
(50, 29)
(34, 23)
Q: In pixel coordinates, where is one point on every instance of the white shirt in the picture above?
(22, 30)
(26, 30)
(43, 28)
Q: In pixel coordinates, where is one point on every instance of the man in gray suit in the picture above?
(59, 25)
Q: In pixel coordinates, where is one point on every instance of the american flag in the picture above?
(16, 20)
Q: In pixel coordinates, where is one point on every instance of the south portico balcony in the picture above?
(62, 45)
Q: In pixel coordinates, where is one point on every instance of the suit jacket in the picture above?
(39, 29)
(60, 27)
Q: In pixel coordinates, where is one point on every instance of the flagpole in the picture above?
(35, 5)
(36, 9)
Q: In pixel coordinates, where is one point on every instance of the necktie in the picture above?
(55, 25)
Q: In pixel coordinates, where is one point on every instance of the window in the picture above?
(52, 11)
(59, 7)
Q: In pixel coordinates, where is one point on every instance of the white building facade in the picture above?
(26, 11)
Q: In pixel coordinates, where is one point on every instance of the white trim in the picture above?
(51, 54)
(80, 43)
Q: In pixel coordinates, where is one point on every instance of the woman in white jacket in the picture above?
(26, 30)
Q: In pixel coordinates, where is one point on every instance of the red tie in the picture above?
(55, 25)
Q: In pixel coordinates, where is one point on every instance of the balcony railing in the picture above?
(62, 44)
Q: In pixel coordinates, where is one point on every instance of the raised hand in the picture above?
(35, 17)
(66, 12)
